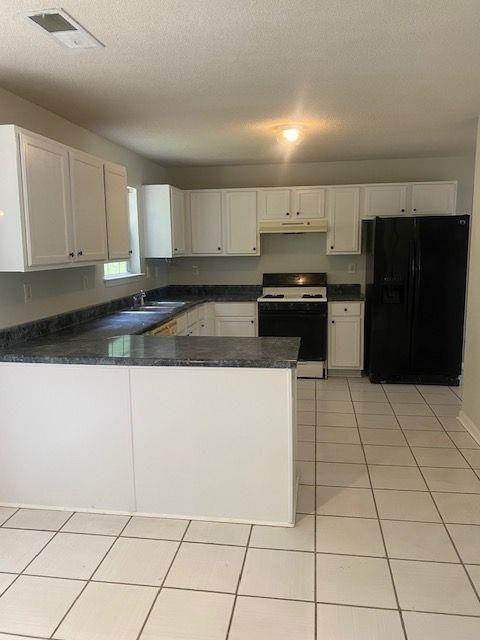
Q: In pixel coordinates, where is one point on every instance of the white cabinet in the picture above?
(308, 203)
(205, 210)
(235, 327)
(343, 235)
(384, 200)
(345, 335)
(241, 223)
(88, 207)
(116, 203)
(434, 197)
(164, 221)
(47, 202)
(276, 204)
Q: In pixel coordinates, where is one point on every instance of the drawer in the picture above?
(181, 323)
(224, 309)
(345, 309)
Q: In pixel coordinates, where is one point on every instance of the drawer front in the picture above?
(193, 316)
(181, 323)
(235, 309)
(345, 309)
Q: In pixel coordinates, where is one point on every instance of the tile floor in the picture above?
(387, 542)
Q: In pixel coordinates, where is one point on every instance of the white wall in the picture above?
(62, 290)
(471, 391)
(304, 252)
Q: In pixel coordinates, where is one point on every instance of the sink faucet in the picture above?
(139, 298)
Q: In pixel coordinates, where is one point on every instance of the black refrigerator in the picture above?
(415, 298)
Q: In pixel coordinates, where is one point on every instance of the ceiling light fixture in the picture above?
(292, 134)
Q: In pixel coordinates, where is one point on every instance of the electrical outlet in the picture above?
(352, 267)
(85, 282)
(27, 292)
(195, 270)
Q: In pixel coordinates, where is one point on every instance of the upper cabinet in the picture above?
(276, 204)
(343, 208)
(384, 200)
(241, 223)
(434, 197)
(205, 210)
(291, 204)
(116, 203)
(164, 221)
(308, 202)
(53, 203)
(88, 207)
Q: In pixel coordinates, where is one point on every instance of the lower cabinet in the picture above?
(235, 327)
(345, 335)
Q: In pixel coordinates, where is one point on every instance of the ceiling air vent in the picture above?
(64, 29)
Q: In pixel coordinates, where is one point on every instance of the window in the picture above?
(117, 271)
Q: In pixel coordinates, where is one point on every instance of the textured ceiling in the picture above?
(204, 81)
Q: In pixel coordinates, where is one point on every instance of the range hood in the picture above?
(293, 226)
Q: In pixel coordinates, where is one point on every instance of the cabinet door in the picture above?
(177, 211)
(343, 236)
(276, 204)
(434, 198)
(385, 200)
(88, 207)
(235, 327)
(309, 203)
(241, 222)
(206, 222)
(116, 202)
(345, 343)
(47, 205)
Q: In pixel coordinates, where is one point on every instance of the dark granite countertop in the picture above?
(135, 350)
(344, 293)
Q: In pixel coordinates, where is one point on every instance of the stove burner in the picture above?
(274, 295)
(312, 295)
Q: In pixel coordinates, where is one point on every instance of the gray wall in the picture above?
(305, 252)
(56, 291)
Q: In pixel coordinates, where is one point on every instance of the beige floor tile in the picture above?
(439, 457)
(399, 387)
(333, 394)
(208, 567)
(437, 388)
(458, 480)
(467, 540)
(265, 619)
(368, 421)
(472, 456)
(137, 561)
(301, 537)
(459, 508)
(340, 435)
(306, 418)
(474, 573)
(18, 548)
(341, 501)
(341, 474)
(354, 580)
(373, 408)
(218, 533)
(306, 392)
(305, 433)
(334, 406)
(451, 423)
(434, 587)
(354, 536)
(357, 623)
(440, 398)
(42, 519)
(278, 574)
(340, 453)
(463, 440)
(34, 606)
(329, 419)
(306, 471)
(306, 499)
(396, 478)
(420, 423)
(405, 397)
(6, 580)
(6, 513)
(393, 437)
(107, 612)
(429, 439)
(369, 396)
(411, 409)
(305, 451)
(385, 455)
(433, 626)
(305, 405)
(192, 615)
(332, 383)
(99, 523)
(406, 505)
(418, 541)
(158, 528)
(445, 410)
(71, 555)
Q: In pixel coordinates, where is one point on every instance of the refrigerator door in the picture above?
(439, 297)
(389, 299)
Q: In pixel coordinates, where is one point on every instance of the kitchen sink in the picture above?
(155, 307)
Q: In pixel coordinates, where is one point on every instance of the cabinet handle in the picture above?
(175, 249)
(80, 253)
(254, 248)
(345, 309)
(403, 210)
(130, 251)
(71, 254)
(252, 321)
(298, 213)
(219, 248)
(333, 321)
(331, 246)
(287, 214)
(414, 209)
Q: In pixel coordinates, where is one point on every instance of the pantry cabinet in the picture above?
(116, 203)
(241, 223)
(343, 207)
(164, 221)
(205, 211)
(345, 335)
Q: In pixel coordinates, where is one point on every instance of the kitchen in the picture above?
(206, 400)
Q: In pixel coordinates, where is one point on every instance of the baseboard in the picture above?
(470, 426)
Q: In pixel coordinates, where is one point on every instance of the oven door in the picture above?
(301, 320)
